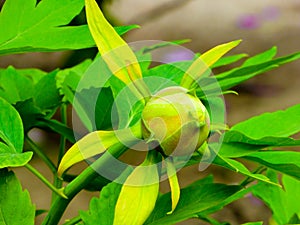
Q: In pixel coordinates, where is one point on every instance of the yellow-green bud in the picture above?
(178, 121)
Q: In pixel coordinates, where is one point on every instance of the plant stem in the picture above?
(60, 204)
(62, 143)
(45, 181)
(73, 221)
(248, 180)
(57, 181)
(41, 154)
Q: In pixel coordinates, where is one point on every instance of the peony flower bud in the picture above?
(178, 121)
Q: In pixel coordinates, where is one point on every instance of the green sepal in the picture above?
(204, 62)
(96, 143)
(174, 185)
(138, 194)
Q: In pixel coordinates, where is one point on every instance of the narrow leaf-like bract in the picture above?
(96, 143)
(138, 196)
(202, 64)
(175, 188)
(114, 50)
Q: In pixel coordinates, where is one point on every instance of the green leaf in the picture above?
(272, 129)
(46, 94)
(12, 137)
(238, 195)
(33, 93)
(29, 113)
(14, 87)
(226, 162)
(127, 108)
(162, 45)
(90, 81)
(242, 74)
(237, 137)
(286, 162)
(282, 123)
(15, 204)
(45, 21)
(215, 104)
(193, 200)
(276, 197)
(172, 71)
(102, 210)
(103, 115)
(253, 223)
(262, 57)
(295, 219)
(84, 86)
(33, 74)
(68, 80)
(95, 107)
(9, 158)
(238, 75)
(238, 149)
(227, 60)
(11, 128)
(240, 168)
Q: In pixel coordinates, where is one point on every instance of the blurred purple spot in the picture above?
(179, 55)
(248, 22)
(271, 13)
(255, 201)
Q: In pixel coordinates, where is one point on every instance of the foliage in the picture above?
(121, 82)
(11, 193)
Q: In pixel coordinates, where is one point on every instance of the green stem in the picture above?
(41, 154)
(248, 180)
(60, 204)
(59, 192)
(73, 221)
(57, 181)
(62, 143)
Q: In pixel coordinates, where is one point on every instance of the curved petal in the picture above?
(138, 196)
(96, 143)
(114, 50)
(175, 188)
(202, 64)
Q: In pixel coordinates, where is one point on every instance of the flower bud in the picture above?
(178, 121)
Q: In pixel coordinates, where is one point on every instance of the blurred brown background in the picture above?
(261, 25)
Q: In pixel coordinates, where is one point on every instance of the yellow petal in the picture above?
(175, 188)
(97, 142)
(138, 196)
(114, 50)
(202, 64)
(90, 145)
